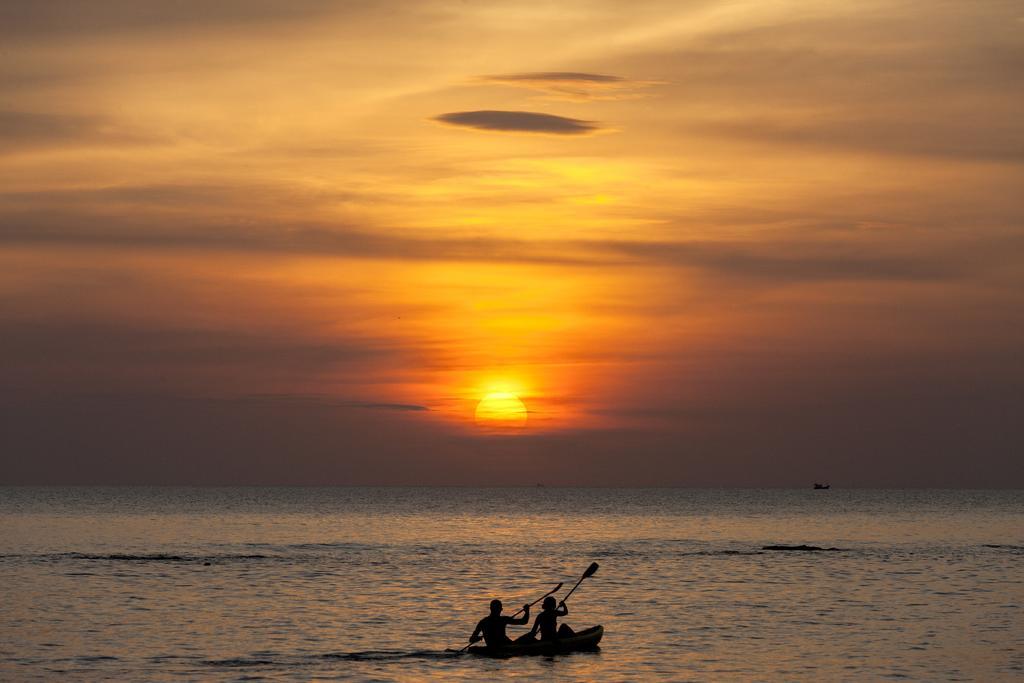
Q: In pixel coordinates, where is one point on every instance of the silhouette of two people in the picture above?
(493, 625)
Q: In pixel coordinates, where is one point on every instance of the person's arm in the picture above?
(562, 609)
(525, 619)
(536, 626)
(475, 638)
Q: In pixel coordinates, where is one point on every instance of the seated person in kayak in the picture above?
(493, 626)
(547, 622)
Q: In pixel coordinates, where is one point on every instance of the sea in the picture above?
(381, 584)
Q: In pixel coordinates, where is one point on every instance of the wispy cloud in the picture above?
(334, 402)
(899, 81)
(555, 77)
(785, 256)
(22, 130)
(1000, 140)
(518, 122)
(49, 345)
(572, 85)
(25, 18)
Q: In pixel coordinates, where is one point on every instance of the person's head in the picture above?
(495, 607)
(549, 602)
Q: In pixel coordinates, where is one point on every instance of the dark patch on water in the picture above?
(271, 659)
(391, 655)
(648, 549)
(155, 557)
(800, 548)
(95, 658)
(332, 546)
(714, 553)
(150, 557)
(238, 662)
(87, 659)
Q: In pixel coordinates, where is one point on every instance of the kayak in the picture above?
(583, 640)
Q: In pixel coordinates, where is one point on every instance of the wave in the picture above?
(306, 557)
(308, 552)
(141, 557)
(276, 660)
(719, 553)
(801, 548)
(236, 662)
(160, 557)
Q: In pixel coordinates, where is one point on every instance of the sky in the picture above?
(681, 243)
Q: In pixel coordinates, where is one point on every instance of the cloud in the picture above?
(572, 85)
(24, 19)
(555, 77)
(910, 79)
(780, 258)
(341, 241)
(28, 130)
(114, 354)
(316, 399)
(154, 437)
(139, 199)
(939, 421)
(792, 260)
(1000, 139)
(518, 122)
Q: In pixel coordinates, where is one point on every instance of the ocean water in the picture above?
(374, 584)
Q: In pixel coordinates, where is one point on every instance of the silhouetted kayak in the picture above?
(584, 640)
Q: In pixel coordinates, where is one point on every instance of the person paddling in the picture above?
(547, 622)
(493, 626)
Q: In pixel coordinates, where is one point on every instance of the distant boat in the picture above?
(822, 486)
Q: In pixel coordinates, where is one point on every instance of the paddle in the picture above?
(553, 590)
(591, 570)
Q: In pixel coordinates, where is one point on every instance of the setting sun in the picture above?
(501, 409)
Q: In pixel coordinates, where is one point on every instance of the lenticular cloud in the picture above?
(518, 122)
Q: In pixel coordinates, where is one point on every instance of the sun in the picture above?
(501, 409)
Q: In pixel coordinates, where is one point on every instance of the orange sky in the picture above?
(704, 242)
